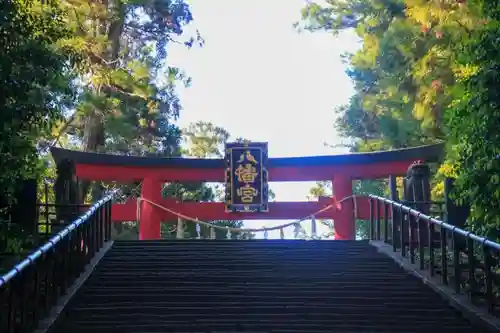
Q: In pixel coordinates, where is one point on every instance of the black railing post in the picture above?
(36, 294)
(78, 251)
(421, 238)
(488, 277)
(107, 220)
(46, 283)
(95, 232)
(11, 310)
(471, 267)
(90, 237)
(100, 227)
(88, 242)
(102, 221)
(53, 276)
(84, 246)
(411, 238)
(386, 222)
(72, 256)
(63, 248)
(457, 271)
(23, 299)
(402, 216)
(395, 219)
(68, 255)
(430, 234)
(377, 217)
(393, 186)
(372, 218)
(444, 257)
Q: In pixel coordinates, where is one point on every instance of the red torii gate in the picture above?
(154, 171)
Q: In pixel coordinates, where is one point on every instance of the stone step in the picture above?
(254, 286)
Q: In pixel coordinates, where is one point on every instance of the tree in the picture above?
(424, 74)
(36, 88)
(389, 107)
(473, 120)
(36, 84)
(205, 140)
(396, 103)
(127, 101)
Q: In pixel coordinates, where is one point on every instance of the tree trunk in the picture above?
(94, 131)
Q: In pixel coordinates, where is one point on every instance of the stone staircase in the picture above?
(254, 286)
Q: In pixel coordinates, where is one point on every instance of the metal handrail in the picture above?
(409, 230)
(49, 245)
(435, 221)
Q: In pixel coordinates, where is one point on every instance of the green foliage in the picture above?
(427, 71)
(401, 74)
(474, 120)
(90, 76)
(128, 101)
(35, 84)
(205, 140)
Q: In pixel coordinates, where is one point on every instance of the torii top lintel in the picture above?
(312, 168)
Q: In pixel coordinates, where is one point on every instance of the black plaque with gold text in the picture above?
(246, 177)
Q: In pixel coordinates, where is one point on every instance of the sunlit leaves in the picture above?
(474, 120)
(204, 139)
(427, 72)
(124, 78)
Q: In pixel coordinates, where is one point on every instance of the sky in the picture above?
(260, 79)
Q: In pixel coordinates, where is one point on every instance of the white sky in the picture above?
(261, 80)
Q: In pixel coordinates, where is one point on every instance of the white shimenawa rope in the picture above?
(231, 229)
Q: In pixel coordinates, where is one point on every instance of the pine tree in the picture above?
(127, 101)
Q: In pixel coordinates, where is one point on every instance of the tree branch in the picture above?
(63, 129)
(121, 91)
(467, 30)
(100, 60)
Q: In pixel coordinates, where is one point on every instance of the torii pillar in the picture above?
(150, 218)
(344, 222)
